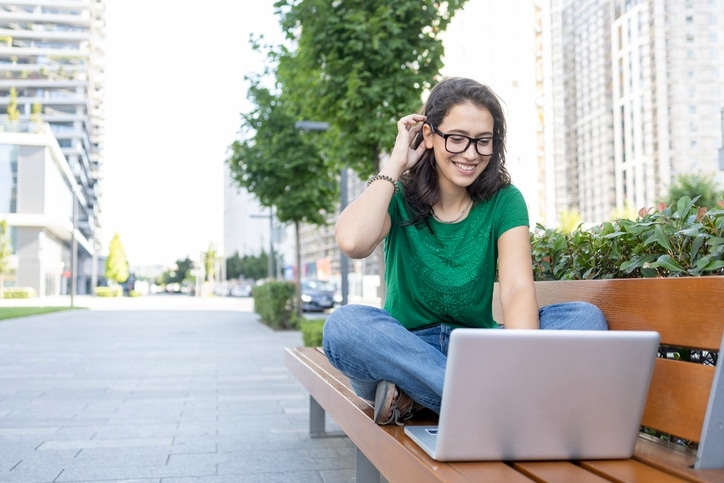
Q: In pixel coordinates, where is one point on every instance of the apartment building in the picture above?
(51, 142)
(634, 91)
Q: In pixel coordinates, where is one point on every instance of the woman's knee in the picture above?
(595, 317)
(572, 315)
(347, 325)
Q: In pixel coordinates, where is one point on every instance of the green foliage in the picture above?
(19, 293)
(278, 165)
(109, 291)
(312, 332)
(247, 267)
(210, 262)
(699, 187)
(36, 114)
(274, 302)
(360, 65)
(179, 273)
(669, 241)
(116, 263)
(12, 109)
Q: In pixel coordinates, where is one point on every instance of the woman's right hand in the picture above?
(403, 153)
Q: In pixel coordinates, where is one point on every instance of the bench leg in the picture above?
(365, 472)
(317, 422)
(711, 446)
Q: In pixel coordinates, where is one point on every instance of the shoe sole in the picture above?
(384, 396)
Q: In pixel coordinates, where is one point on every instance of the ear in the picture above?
(427, 136)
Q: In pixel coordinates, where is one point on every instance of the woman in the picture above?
(451, 221)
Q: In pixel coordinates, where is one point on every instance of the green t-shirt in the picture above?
(447, 277)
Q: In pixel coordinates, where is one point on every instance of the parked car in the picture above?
(317, 295)
(240, 290)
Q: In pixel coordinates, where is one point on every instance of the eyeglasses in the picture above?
(458, 143)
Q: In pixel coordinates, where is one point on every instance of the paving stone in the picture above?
(177, 390)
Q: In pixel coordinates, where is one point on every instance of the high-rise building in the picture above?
(634, 91)
(51, 142)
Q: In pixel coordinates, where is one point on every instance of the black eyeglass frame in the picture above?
(470, 140)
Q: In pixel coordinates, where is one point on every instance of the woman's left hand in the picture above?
(403, 153)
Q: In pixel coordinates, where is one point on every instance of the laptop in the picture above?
(512, 395)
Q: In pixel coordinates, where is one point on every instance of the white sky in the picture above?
(174, 94)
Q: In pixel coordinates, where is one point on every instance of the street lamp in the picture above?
(343, 260)
(271, 259)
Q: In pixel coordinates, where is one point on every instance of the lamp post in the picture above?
(271, 259)
(343, 260)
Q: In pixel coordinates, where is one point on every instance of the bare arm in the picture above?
(364, 223)
(515, 273)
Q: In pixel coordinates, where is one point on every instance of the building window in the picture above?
(8, 178)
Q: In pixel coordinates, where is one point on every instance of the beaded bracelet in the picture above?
(383, 177)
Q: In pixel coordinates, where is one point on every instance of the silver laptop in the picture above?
(516, 395)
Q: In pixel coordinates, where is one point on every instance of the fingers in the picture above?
(411, 121)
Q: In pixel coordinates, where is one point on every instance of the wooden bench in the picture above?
(685, 399)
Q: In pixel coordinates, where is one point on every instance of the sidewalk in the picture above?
(156, 389)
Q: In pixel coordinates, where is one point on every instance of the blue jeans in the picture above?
(367, 345)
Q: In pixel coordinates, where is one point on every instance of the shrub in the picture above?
(109, 291)
(312, 332)
(274, 302)
(668, 241)
(19, 293)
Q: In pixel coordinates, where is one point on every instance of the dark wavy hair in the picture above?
(420, 183)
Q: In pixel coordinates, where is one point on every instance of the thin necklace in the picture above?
(460, 216)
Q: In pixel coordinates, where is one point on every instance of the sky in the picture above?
(174, 94)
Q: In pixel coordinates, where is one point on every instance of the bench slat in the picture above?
(678, 397)
(557, 471)
(628, 470)
(671, 306)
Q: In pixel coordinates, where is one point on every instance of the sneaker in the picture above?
(393, 405)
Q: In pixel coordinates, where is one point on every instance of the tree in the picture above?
(693, 185)
(248, 267)
(360, 65)
(6, 250)
(116, 263)
(279, 166)
(210, 263)
(179, 273)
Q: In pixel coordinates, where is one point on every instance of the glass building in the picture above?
(51, 92)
